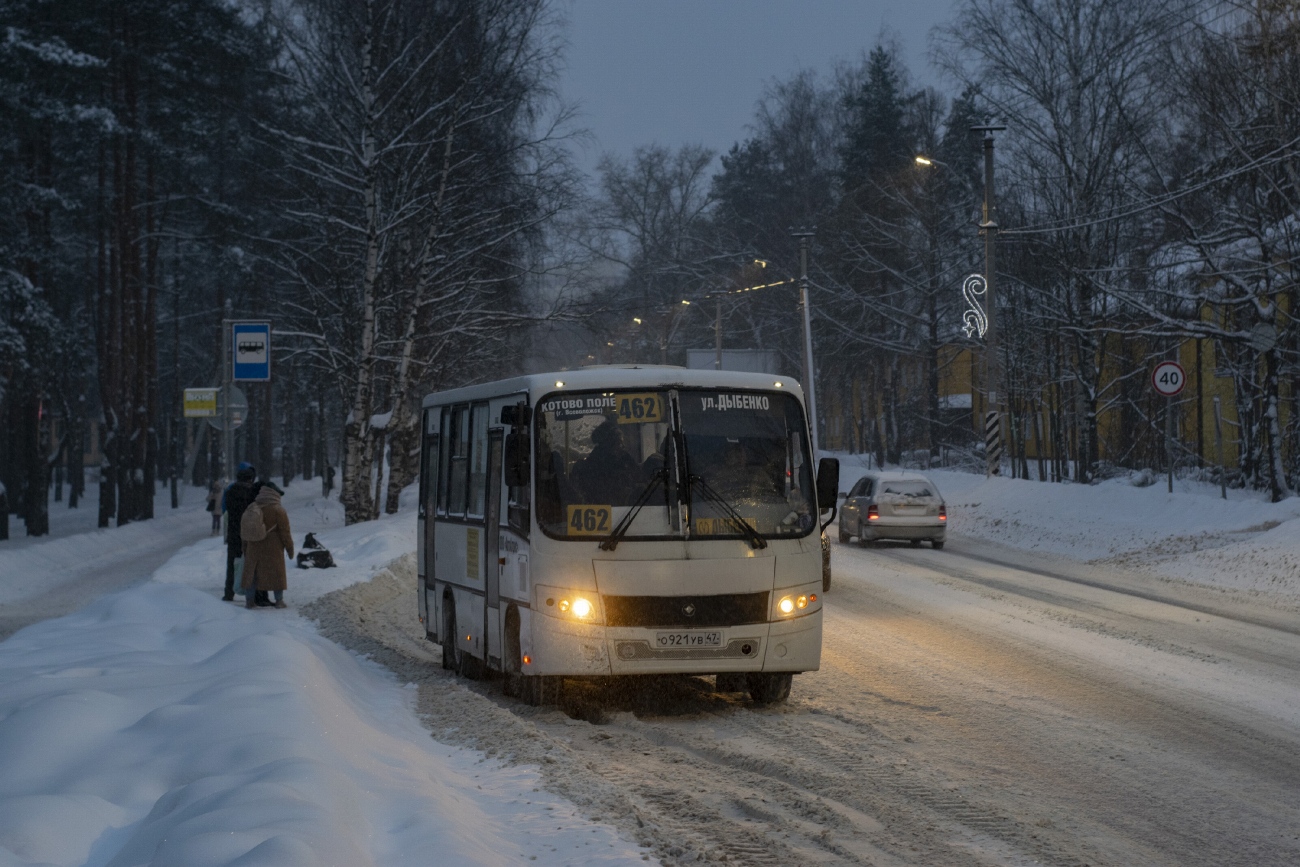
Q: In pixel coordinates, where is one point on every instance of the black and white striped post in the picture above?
(993, 441)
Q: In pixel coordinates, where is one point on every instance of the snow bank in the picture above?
(1243, 543)
(162, 726)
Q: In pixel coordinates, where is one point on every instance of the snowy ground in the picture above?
(158, 725)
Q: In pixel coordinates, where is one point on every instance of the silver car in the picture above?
(894, 505)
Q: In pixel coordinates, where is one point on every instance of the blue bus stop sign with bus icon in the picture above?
(251, 351)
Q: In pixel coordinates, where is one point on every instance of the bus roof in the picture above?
(617, 376)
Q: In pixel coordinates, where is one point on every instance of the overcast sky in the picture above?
(675, 72)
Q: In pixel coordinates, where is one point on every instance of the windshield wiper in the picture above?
(611, 542)
(755, 538)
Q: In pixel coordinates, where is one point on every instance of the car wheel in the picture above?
(936, 544)
(844, 537)
(916, 543)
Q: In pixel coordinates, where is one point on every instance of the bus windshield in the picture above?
(743, 456)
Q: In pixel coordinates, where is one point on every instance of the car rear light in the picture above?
(943, 513)
(873, 513)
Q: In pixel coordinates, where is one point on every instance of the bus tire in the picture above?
(731, 682)
(471, 667)
(511, 661)
(450, 660)
(770, 688)
(540, 690)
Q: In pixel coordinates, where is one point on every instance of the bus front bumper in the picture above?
(576, 650)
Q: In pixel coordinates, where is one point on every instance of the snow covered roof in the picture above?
(617, 376)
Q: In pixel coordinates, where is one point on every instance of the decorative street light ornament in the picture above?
(974, 319)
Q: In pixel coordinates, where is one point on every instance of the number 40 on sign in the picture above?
(1168, 378)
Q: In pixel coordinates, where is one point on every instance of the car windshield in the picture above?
(744, 458)
(907, 488)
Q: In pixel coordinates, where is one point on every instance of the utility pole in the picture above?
(810, 388)
(717, 337)
(992, 367)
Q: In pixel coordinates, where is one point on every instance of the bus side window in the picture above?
(444, 458)
(518, 505)
(459, 475)
(478, 460)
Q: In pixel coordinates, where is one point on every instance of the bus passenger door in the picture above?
(492, 547)
(428, 509)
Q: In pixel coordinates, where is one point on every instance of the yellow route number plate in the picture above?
(640, 408)
(590, 520)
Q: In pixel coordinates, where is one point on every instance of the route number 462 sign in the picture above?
(1168, 378)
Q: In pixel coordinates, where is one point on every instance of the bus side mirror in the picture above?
(517, 468)
(828, 482)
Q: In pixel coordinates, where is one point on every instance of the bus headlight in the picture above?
(582, 606)
(794, 604)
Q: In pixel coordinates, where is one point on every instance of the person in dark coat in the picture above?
(233, 502)
(608, 476)
(264, 560)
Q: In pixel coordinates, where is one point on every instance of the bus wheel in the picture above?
(511, 661)
(538, 690)
(449, 655)
(770, 688)
(471, 667)
(732, 682)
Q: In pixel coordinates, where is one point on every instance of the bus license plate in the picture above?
(688, 639)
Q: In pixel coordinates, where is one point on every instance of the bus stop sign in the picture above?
(250, 351)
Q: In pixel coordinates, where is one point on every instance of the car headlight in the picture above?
(582, 606)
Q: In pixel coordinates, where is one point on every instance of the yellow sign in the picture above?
(590, 520)
(722, 526)
(640, 408)
(200, 403)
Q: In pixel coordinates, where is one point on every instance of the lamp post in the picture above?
(810, 388)
(992, 369)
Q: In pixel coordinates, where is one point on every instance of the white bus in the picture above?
(623, 520)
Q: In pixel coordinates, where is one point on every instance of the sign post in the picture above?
(1169, 379)
(247, 358)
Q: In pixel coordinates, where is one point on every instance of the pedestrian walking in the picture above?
(264, 557)
(214, 503)
(233, 503)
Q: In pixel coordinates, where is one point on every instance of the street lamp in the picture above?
(810, 389)
(989, 226)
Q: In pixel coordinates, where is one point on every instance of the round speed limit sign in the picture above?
(1168, 378)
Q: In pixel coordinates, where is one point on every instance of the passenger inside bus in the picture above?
(609, 475)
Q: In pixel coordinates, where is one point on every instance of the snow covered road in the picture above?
(966, 712)
(1062, 696)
